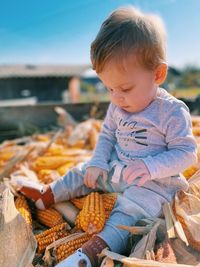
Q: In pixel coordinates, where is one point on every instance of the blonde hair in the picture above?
(127, 31)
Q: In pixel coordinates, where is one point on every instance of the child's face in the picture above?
(131, 88)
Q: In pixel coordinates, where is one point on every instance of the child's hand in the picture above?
(136, 169)
(92, 174)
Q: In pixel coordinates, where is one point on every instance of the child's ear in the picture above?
(161, 73)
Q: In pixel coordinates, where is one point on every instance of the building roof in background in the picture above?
(23, 71)
(36, 71)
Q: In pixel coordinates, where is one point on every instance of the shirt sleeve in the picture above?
(181, 146)
(106, 142)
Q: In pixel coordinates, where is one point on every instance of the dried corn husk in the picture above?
(135, 262)
(18, 244)
(187, 211)
(174, 224)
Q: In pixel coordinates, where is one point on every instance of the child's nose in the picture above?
(118, 96)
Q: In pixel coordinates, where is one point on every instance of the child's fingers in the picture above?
(89, 181)
(86, 180)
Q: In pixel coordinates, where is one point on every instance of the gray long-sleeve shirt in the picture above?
(160, 135)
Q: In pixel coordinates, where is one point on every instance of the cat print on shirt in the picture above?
(128, 131)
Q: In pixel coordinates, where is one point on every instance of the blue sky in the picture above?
(60, 31)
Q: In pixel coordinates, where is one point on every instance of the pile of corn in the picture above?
(48, 161)
(196, 132)
(47, 237)
(23, 208)
(45, 162)
(92, 218)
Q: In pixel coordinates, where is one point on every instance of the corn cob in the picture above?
(78, 202)
(6, 155)
(49, 217)
(23, 208)
(68, 248)
(51, 163)
(2, 163)
(92, 216)
(65, 168)
(78, 144)
(195, 121)
(196, 131)
(42, 138)
(47, 237)
(77, 222)
(55, 150)
(107, 214)
(109, 200)
(190, 171)
(47, 176)
(165, 253)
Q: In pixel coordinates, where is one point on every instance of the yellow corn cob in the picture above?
(42, 137)
(49, 217)
(65, 168)
(109, 200)
(51, 163)
(47, 176)
(190, 171)
(92, 216)
(78, 144)
(2, 163)
(196, 131)
(56, 150)
(68, 248)
(6, 155)
(47, 237)
(23, 208)
(195, 121)
(77, 222)
(107, 214)
(78, 202)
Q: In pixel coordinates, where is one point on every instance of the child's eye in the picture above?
(110, 90)
(126, 90)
